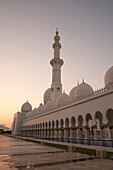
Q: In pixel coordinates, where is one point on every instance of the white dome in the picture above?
(83, 90)
(47, 95)
(34, 113)
(49, 105)
(63, 99)
(108, 79)
(26, 107)
(28, 115)
(71, 94)
(37, 111)
(41, 109)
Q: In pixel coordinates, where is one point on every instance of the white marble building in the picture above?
(83, 114)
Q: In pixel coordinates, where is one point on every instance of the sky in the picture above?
(27, 30)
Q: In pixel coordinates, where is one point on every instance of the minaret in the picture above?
(56, 63)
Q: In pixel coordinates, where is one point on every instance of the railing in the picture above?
(100, 90)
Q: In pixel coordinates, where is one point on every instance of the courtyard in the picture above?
(20, 154)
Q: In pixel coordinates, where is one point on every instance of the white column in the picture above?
(65, 133)
(55, 133)
(95, 131)
(86, 136)
(72, 133)
(61, 133)
(47, 133)
(111, 132)
(77, 132)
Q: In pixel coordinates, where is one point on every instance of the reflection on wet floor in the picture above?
(4, 145)
(1, 156)
(39, 153)
(19, 154)
(53, 163)
(4, 157)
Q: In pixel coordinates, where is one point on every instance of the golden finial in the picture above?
(57, 31)
(82, 80)
(78, 83)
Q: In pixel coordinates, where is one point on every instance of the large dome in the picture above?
(47, 95)
(49, 105)
(71, 94)
(83, 90)
(63, 99)
(108, 79)
(26, 107)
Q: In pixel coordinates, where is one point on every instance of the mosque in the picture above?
(83, 114)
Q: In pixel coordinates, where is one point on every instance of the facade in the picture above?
(83, 114)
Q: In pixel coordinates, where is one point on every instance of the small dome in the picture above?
(63, 99)
(49, 105)
(47, 95)
(83, 90)
(37, 111)
(28, 115)
(71, 94)
(40, 109)
(34, 113)
(26, 107)
(108, 79)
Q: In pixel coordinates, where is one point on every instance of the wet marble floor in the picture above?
(19, 154)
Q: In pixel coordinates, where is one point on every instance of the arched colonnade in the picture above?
(74, 128)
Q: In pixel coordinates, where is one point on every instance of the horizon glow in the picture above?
(26, 36)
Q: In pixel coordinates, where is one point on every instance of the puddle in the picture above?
(35, 153)
(30, 166)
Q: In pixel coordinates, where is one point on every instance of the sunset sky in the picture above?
(27, 29)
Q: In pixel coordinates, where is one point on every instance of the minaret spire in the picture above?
(57, 45)
(56, 63)
(57, 31)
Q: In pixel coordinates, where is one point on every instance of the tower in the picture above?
(56, 63)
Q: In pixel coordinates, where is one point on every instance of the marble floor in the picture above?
(19, 154)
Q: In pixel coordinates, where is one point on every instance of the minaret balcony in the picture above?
(57, 44)
(57, 61)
